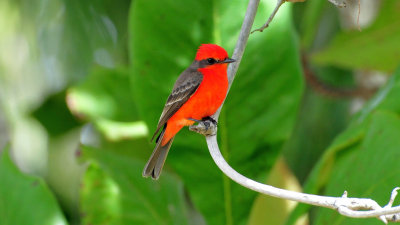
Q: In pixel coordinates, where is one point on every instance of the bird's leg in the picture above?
(197, 121)
(207, 126)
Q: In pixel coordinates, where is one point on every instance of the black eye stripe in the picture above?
(207, 62)
(211, 61)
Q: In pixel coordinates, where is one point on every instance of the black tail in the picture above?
(157, 159)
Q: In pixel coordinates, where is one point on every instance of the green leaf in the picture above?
(100, 197)
(320, 120)
(105, 99)
(350, 142)
(114, 192)
(25, 199)
(368, 170)
(260, 109)
(375, 48)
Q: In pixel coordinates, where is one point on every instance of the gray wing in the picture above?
(185, 86)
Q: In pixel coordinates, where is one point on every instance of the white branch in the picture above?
(346, 206)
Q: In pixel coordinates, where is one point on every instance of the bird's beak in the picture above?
(228, 60)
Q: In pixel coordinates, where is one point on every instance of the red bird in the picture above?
(197, 94)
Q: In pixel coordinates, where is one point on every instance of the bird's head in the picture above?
(211, 54)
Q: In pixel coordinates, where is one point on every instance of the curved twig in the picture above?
(279, 3)
(346, 206)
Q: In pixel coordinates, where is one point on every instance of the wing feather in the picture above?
(185, 86)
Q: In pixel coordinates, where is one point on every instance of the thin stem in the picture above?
(278, 5)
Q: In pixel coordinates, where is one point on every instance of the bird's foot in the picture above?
(209, 118)
(207, 126)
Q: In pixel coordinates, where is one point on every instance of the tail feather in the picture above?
(157, 159)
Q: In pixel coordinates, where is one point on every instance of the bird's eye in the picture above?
(211, 61)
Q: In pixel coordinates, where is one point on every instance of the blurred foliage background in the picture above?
(314, 108)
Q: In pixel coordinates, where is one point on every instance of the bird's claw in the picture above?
(209, 118)
(207, 126)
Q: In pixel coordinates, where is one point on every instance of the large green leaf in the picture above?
(352, 143)
(260, 109)
(114, 192)
(375, 48)
(370, 170)
(320, 119)
(25, 199)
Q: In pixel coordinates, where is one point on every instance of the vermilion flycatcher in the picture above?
(198, 93)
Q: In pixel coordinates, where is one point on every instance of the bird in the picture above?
(196, 95)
